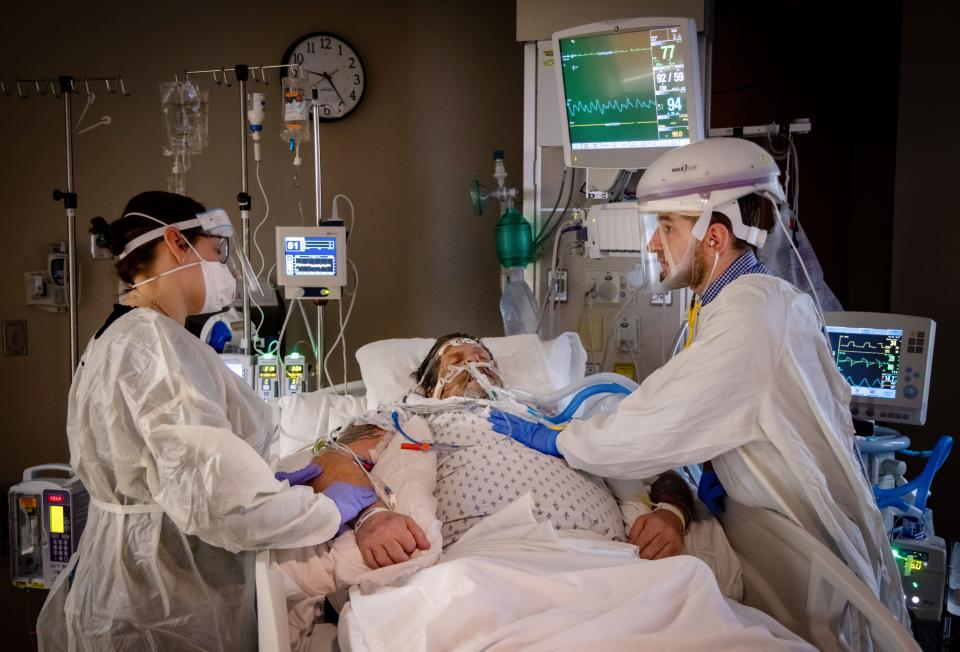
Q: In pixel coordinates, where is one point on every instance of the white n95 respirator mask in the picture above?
(219, 286)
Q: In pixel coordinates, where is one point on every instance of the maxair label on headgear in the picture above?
(686, 167)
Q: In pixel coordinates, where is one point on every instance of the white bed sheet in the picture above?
(512, 583)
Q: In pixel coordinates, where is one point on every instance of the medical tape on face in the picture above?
(472, 368)
(457, 341)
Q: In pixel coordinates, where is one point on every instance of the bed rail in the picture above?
(790, 575)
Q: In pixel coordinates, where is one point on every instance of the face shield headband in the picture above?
(704, 200)
(215, 223)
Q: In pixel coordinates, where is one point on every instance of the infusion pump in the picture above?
(47, 516)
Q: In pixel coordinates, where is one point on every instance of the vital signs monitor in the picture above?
(887, 361)
(629, 91)
(311, 261)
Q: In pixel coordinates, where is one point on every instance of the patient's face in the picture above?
(464, 384)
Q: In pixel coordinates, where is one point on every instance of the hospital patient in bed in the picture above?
(490, 496)
(509, 519)
(482, 471)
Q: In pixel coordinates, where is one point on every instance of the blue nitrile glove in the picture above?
(529, 433)
(300, 476)
(710, 492)
(350, 500)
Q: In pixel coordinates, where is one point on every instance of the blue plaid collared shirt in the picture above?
(745, 264)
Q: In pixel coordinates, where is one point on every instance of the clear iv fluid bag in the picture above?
(296, 110)
(184, 109)
(518, 307)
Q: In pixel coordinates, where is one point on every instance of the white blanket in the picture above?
(512, 583)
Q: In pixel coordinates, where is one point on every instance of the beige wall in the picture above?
(444, 90)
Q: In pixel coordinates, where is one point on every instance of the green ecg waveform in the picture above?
(575, 107)
(865, 362)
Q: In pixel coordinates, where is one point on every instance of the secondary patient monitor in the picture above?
(629, 91)
(311, 261)
(887, 361)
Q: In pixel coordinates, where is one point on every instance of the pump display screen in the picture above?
(56, 519)
(626, 90)
(294, 370)
(310, 256)
(267, 371)
(869, 358)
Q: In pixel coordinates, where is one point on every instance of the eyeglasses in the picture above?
(223, 247)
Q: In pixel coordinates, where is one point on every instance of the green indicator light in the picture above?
(916, 585)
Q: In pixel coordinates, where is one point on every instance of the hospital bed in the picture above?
(787, 574)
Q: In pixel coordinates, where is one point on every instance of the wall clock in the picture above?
(334, 68)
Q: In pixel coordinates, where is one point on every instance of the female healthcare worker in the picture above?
(756, 390)
(170, 444)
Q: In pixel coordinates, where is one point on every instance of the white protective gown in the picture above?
(170, 444)
(758, 394)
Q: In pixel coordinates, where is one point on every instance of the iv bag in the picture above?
(185, 125)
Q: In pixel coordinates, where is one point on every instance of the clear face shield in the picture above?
(214, 223)
(659, 269)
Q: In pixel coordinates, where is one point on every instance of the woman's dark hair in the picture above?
(426, 373)
(167, 207)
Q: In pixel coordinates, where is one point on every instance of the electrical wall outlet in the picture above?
(14, 337)
(558, 282)
(663, 299)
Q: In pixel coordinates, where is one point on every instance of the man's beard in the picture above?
(473, 389)
(698, 274)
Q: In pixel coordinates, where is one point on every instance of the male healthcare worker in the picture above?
(756, 390)
(171, 446)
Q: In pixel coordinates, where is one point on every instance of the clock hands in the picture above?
(330, 81)
(320, 74)
(328, 77)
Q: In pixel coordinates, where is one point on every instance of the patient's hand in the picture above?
(658, 535)
(389, 538)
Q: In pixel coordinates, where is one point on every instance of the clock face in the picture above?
(334, 68)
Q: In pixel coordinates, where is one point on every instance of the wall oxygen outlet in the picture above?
(606, 287)
(628, 333)
(557, 282)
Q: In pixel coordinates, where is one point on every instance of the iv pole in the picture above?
(243, 73)
(318, 209)
(65, 86)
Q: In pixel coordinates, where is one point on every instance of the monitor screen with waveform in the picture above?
(869, 358)
(626, 90)
(310, 256)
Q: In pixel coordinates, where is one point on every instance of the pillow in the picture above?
(305, 417)
(525, 361)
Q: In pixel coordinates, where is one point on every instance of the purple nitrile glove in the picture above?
(300, 476)
(350, 500)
